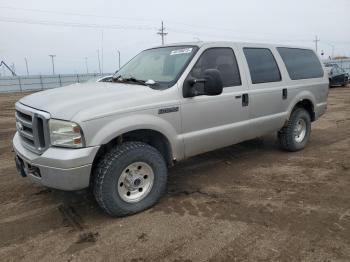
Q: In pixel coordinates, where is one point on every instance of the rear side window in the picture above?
(262, 65)
(301, 63)
(221, 58)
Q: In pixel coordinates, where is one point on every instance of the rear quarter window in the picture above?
(301, 63)
(262, 65)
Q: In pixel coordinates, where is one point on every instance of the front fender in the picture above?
(101, 131)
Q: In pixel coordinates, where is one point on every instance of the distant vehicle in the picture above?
(167, 104)
(337, 76)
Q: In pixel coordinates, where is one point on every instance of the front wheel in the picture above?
(295, 135)
(130, 178)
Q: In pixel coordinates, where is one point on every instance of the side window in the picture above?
(222, 59)
(262, 65)
(301, 63)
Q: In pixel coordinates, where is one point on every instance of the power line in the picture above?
(71, 24)
(162, 33)
(216, 28)
(138, 27)
(78, 14)
(132, 19)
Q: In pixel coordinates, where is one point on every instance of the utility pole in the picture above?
(316, 41)
(118, 59)
(53, 63)
(99, 62)
(162, 33)
(25, 59)
(86, 64)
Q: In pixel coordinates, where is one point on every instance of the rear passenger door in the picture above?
(265, 89)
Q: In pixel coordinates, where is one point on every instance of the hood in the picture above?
(89, 99)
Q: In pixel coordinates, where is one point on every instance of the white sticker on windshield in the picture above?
(181, 51)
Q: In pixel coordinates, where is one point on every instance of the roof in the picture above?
(223, 43)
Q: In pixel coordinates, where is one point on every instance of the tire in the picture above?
(345, 83)
(288, 136)
(112, 184)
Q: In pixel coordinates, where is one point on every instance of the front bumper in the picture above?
(61, 168)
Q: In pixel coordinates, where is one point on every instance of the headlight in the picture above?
(65, 134)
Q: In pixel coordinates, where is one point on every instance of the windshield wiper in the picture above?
(134, 80)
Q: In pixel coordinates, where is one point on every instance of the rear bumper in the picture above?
(61, 168)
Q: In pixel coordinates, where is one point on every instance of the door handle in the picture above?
(239, 96)
(284, 93)
(245, 100)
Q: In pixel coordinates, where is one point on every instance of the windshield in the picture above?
(162, 65)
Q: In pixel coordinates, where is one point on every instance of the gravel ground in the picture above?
(247, 202)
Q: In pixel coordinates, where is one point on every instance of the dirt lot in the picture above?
(246, 202)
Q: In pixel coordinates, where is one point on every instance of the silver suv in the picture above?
(166, 104)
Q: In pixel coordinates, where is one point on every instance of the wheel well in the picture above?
(151, 137)
(308, 106)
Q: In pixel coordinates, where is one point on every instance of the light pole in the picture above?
(25, 59)
(118, 59)
(53, 63)
(99, 62)
(332, 49)
(86, 64)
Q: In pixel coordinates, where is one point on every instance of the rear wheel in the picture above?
(295, 135)
(130, 178)
(345, 82)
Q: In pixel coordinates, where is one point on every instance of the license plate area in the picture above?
(24, 169)
(20, 166)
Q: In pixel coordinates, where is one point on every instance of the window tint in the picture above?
(301, 63)
(262, 65)
(222, 59)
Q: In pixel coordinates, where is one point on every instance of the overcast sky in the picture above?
(73, 30)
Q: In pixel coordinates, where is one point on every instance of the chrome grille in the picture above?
(32, 127)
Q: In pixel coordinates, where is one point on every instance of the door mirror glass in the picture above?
(211, 84)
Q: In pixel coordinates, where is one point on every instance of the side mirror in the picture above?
(210, 85)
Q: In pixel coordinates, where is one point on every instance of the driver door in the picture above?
(210, 122)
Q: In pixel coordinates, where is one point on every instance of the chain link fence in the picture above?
(43, 82)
